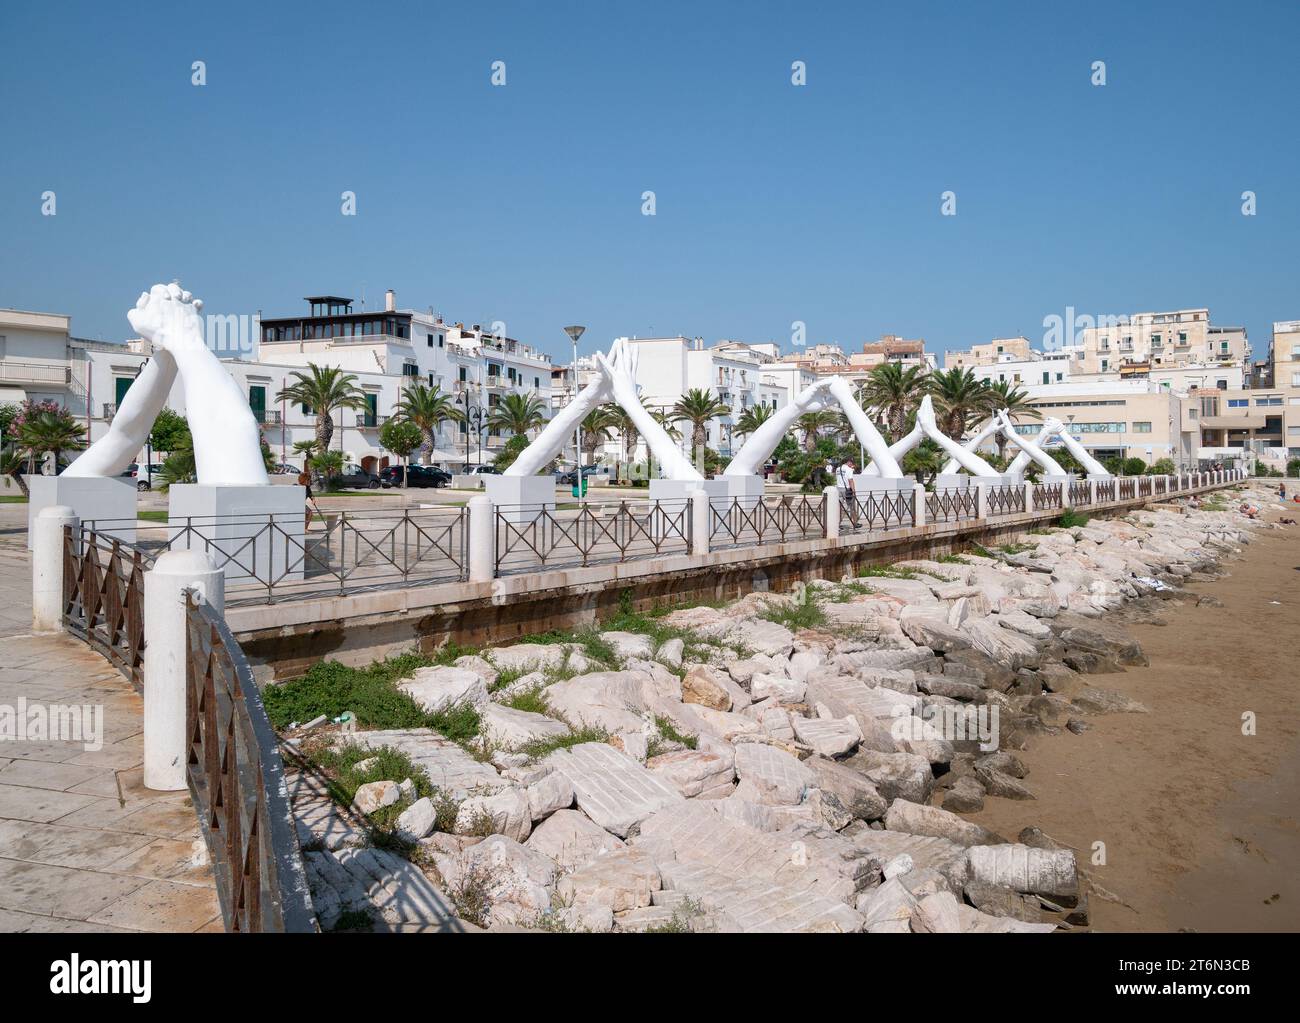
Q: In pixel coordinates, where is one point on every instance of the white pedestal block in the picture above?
(520, 498)
(748, 490)
(1091, 476)
(105, 499)
(255, 534)
(719, 491)
(951, 481)
(862, 483)
(1064, 480)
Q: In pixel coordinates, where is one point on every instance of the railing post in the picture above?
(918, 505)
(831, 504)
(47, 566)
(700, 523)
(1092, 492)
(1029, 497)
(981, 498)
(166, 659)
(482, 545)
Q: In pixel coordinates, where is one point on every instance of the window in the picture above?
(537, 383)
(1182, 337)
(1047, 376)
(1060, 377)
(462, 377)
(1141, 427)
(1268, 401)
(1222, 385)
(257, 402)
(1295, 379)
(1105, 365)
(120, 386)
(1238, 402)
(1155, 340)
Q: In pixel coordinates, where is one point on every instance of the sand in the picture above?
(1198, 820)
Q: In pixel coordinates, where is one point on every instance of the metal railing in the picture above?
(1048, 496)
(878, 509)
(236, 780)
(268, 558)
(755, 520)
(1007, 499)
(1127, 489)
(531, 537)
(1105, 490)
(1079, 493)
(950, 504)
(103, 598)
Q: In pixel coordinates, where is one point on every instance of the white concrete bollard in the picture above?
(1029, 498)
(482, 540)
(47, 566)
(1092, 491)
(165, 634)
(699, 521)
(981, 498)
(831, 503)
(918, 505)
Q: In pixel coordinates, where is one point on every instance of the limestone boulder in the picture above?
(571, 839)
(438, 688)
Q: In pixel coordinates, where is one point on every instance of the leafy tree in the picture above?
(626, 428)
(924, 461)
(45, 430)
(597, 427)
(428, 408)
(813, 424)
(699, 408)
(1133, 467)
(519, 414)
(959, 398)
(178, 466)
(1163, 467)
(170, 431)
(328, 464)
(401, 438)
(322, 389)
(894, 391)
(513, 448)
(307, 449)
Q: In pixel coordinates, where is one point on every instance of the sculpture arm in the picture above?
(1022, 458)
(990, 428)
(758, 448)
(1048, 463)
(1089, 463)
(555, 434)
(968, 460)
(620, 370)
(898, 449)
(868, 435)
(132, 422)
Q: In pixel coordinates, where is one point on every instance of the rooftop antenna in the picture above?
(363, 296)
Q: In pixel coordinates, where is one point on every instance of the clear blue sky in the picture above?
(774, 203)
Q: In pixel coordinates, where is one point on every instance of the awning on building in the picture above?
(1245, 421)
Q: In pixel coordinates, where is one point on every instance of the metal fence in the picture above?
(1106, 490)
(878, 509)
(742, 521)
(1047, 496)
(277, 557)
(1007, 499)
(236, 780)
(103, 598)
(1079, 493)
(530, 537)
(950, 504)
(1127, 489)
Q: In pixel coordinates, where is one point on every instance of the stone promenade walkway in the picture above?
(84, 846)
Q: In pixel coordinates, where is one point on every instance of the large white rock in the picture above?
(831, 737)
(449, 767)
(916, 819)
(610, 787)
(552, 793)
(1050, 872)
(695, 772)
(623, 880)
(778, 687)
(516, 881)
(629, 644)
(417, 820)
(512, 728)
(612, 700)
(571, 839)
(374, 795)
(528, 656)
(764, 637)
(771, 776)
(503, 813)
(438, 688)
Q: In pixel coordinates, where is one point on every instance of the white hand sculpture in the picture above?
(227, 442)
(968, 460)
(557, 433)
(1029, 447)
(760, 444)
(868, 436)
(619, 368)
(991, 427)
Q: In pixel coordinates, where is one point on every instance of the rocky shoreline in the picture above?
(791, 762)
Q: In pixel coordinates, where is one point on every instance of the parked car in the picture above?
(588, 471)
(482, 470)
(138, 473)
(285, 469)
(420, 476)
(355, 476)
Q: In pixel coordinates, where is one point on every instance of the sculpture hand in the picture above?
(925, 414)
(815, 397)
(619, 368)
(168, 317)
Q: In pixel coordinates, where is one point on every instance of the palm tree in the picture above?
(518, 413)
(752, 418)
(428, 408)
(812, 424)
(664, 417)
(959, 397)
(308, 449)
(597, 427)
(50, 431)
(321, 390)
(699, 407)
(1007, 395)
(894, 391)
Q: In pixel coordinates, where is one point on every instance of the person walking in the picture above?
(848, 495)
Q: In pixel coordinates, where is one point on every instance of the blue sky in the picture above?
(775, 203)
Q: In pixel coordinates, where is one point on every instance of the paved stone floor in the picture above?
(84, 846)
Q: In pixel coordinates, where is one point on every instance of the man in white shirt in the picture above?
(844, 481)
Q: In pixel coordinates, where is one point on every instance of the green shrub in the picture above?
(1072, 518)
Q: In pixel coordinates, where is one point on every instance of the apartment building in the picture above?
(1183, 337)
(33, 356)
(999, 350)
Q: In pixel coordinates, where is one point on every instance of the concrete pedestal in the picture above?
(951, 481)
(719, 491)
(748, 490)
(255, 534)
(1065, 480)
(862, 484)
(104, 499)
(1090, 476)
(520, 498)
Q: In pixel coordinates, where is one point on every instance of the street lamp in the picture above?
(574, 333)
(474, 417)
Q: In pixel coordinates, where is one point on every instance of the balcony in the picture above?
(370, 421)
(110, 410)
(18, 372)
(266, 417)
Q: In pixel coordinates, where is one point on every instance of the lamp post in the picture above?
(574, 333)
(148, 443)
(474, 418)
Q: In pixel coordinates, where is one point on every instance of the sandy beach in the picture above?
(1199, 821)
